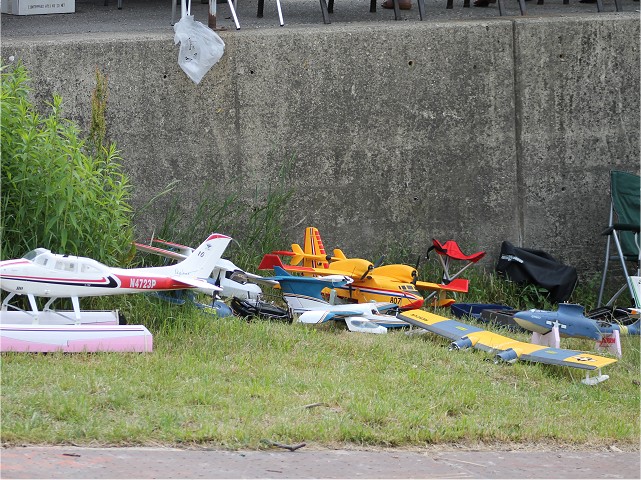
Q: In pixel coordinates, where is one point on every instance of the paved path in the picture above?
(92, 17)
(74, 462)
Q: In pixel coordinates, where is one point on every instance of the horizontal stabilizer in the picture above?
(201, 284)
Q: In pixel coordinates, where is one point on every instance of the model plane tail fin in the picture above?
(203, 260)
(339, 255)
(315, 248)
(269, 261)
(299, 254)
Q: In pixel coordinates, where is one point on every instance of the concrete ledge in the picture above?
(480, 131)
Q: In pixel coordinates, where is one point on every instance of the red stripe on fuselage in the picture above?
(139, 282)
(408, 300)
(57, 280)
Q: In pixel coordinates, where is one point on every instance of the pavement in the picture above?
(153, 16)
(116, 463)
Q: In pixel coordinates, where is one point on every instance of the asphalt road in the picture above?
(74, 462)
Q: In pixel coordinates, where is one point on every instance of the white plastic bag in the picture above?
(200, 46)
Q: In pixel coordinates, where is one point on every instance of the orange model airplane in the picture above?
(395, 283)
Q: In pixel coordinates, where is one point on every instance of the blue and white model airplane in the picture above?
(571, 322)
(303, 296)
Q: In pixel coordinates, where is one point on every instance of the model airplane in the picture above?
(234, 281)
(571, 322)
(464, 336)
(397, 283)
(304, 298)
(41, 273)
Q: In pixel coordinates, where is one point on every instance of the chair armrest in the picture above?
(627, 227)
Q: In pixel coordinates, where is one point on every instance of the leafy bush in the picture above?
(56, 191)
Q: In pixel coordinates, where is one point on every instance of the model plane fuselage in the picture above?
(54, 275)
(41, 273)
(571, 322)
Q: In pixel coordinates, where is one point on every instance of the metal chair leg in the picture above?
(233, 12)
(323, 5)
(280, 13)
(421, 8)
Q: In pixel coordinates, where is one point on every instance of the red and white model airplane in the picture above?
(41, 273)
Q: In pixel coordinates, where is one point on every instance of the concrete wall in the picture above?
(480, 131)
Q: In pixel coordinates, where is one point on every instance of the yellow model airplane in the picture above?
(395, 283)
(506, 349)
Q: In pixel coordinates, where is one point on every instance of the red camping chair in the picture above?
(450, 251)
(447, 253)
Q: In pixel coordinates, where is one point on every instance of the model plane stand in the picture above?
(610, 342)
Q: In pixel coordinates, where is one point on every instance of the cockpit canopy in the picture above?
(65, 263)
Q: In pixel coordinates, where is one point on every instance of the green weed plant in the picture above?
(56, 191)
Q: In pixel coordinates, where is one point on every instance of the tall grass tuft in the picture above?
(54, 192)
(254, 219)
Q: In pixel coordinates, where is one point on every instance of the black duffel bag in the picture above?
(528, 266)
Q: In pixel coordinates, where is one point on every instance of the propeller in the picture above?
(370, 267)
(414, 277)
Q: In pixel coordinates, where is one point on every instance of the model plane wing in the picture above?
(354, 320)
(160, 251)
(271, 260)
(509, 350)
(457, 285)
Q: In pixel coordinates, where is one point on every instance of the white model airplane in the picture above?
(41, 273)
(304, 298)
(234, 281)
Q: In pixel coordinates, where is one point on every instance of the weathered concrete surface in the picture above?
(74, 462)
(576, 120)
(392, 133)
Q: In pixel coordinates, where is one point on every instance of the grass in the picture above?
(232, 383)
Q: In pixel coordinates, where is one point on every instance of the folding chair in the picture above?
(625, 192)
(450, 251)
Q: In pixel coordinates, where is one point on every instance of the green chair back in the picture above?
(626, 196)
